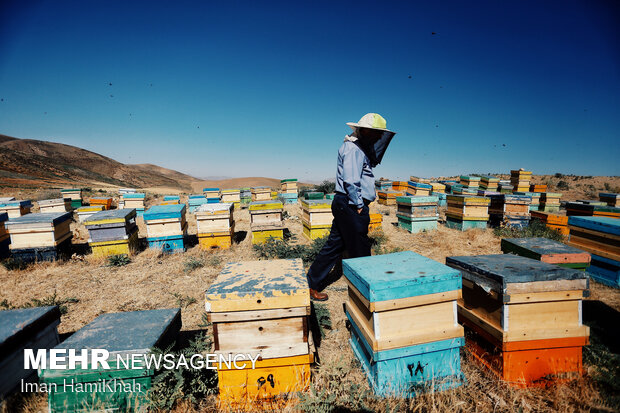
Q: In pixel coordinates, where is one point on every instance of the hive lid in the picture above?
(171, 197)
(90, 208)
(71, 190)
(421, 185)
(263, 205)
(259, 285)
(215, 208)
(288, 180)
(135, 195)
(607, 225)
(231, 191)
(17, 203)
(469, 178)
(197, 196)
(399, 275)
(316, 203)
(164, 212)
(601, 194)
(542, 246)
(314, 195)
(497, 272)
(53, 201)
(17, 326)
(100, 198)
(53, 218)
(110, 216)
(413, 199)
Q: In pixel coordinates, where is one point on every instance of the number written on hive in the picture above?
(261, 381)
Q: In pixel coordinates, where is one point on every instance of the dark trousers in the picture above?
(349, 233)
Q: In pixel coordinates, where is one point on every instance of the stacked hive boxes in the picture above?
(418, 188)
(376, 221)
(195, 201)
(75, 194)
(316, 217)
(40, 237)
(402, 313)
(86, 211)
(471, 182)
(610, 199)
(261, 308)
(554, 221)
(261, 193)
(104, 201)
(418, 179)
(266, 220)
(387, 197)
(449, 184)
(212, 195)
(599, 236)
(26, 328)
(383, 185)
(549, 202)
(166, 227)
(534, 205)
(439, 190)
(246, 195)
(231, 196)
(509, 210)
(215, 225)
(464, 190)
(314, 195)
(591, 210)
(112, 232)
(5, 239)
(126, 336)
(538, 188)
(523, 316)
(489, 183)
(15, 208)
(466, 212)
(171, 200)
(505, 187)
(547, 250)
(482, 192)
(417, 213)
(133, 201)
(288, 191)
(520, 180)
(400, 186)
(55, 205)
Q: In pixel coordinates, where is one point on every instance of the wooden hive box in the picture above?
(112, 232)
(376, 221)
(442, 199)
(484, 192)
(470, 181)
(5, 238)
(261, 308)
(121, 334)
(509, 210)
(123, 191)
(55, 205)
(387, 197)
(171, 200)
(195, 203)
(505, 188)
(75, 194)
(211, 193)
(291, 198)
(17, 208)
(316, 217)
(417, 213)
(105, 201)
(288, 186)
(609, 198)
(547, 250)
(266, 220)
(166, 227)
(581, 209)
(261, 193)
(40, 237)
(134, 200)
(404, 330)
(215, 225)
(549, 201)
(420, 180)
(26, 328)
(538, 188)
(400, 186)
(535, 199)
(86, 211)
(466, 212)
(520, 180)
(489, 182)
(231, 196)
(437, 188)
(556, 221)
(464, 190)
(314, 195)
(383, 184)
(419, 188)
(528, 311)
(592, 202)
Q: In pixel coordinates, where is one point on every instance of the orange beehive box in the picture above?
(100, 200)
(554, 221)
(538, 188)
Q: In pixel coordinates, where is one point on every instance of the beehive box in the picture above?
(112, 232)
(464, 190)
(609, 198)
(26, 328)
(288, 186)
(39, 230)
(591, 202)
(266, 220)
(534, 205)
(466, 212)
(520, 180)
(195, 202)
(387, 197)
(291, 198)
(437, 188)
(404, 330)
(528, 312)
(211, 193)
(376, 221)
(421, 180)
(215, 225)
(231, 196)
(538, 188)
(383, 184)
(123, 191)
(121, 334)
(419, 188)
(86, 211)
(469, 181)
(166, 227)
(556, 221)
(547, 250)
(314, 195)
(506, 188)
(605, 271)
(171, 200)
(509, 210)
(581, 209)
(549, 202)
(17, 208)
(55, 205)
(260, 193)
(316, 217)
(261, 308)
(105, 201)
(489, 183)
(75, 194)
(133, 200)
(400, 186)
(330, 196)
(5, 239)
(417, 213)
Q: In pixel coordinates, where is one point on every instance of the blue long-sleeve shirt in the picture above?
(354, 175)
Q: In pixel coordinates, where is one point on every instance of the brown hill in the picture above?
(29, 162)
(234, 183)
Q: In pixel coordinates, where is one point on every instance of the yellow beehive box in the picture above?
(104, 249)
(264, 214)
(211, 240)
(376, 221)
(438, 188)
(260, 236)
(231, 196)
(105, 201)
(260, 193)
(55, 205)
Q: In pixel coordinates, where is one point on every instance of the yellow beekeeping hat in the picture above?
(371, 121)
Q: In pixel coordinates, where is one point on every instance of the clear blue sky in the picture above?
(253, 88)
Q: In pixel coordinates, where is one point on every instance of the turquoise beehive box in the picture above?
(166, 227)
(401, 310)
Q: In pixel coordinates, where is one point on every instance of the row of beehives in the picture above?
(406, 315)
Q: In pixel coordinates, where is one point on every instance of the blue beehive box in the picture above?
(166, 227)
(197, 196)
(195, 203)
(288, 198)
(402, 314)
(172, 198)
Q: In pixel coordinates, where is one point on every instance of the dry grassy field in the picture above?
(90, 287)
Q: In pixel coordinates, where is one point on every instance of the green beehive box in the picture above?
(117, 388)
